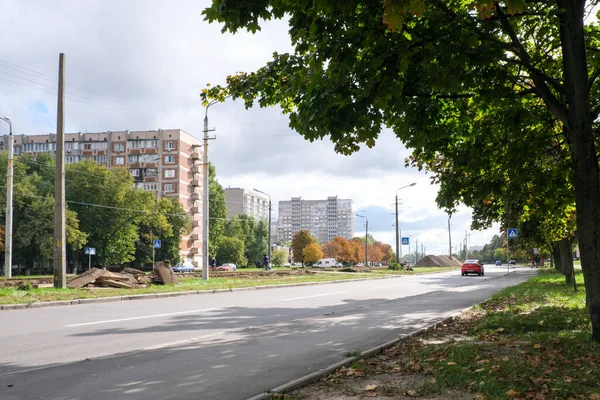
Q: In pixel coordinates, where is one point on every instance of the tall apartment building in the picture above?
(324, 219)
(166, 162)
(246, 202)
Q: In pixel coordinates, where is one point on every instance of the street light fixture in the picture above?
(366, 239)
(9, 203)
(398, 231)
(269, 249)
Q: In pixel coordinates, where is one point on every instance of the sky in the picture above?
(141, 64)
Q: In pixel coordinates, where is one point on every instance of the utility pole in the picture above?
(398, 230)
(416, 251)
(9, 203)
(397, 233)
(367, 243)
(449, 236)
(205, 210)
(60, 261)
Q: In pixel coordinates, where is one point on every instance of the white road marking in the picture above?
(144, 317)
(316, 295)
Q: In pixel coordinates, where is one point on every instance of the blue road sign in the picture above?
(512, 233)
(157, 244)
(405, 241)
(90, 251)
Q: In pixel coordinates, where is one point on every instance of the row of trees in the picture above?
(498, 99)
(104, 210)
(306, 249)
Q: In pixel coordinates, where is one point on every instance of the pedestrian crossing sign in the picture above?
(512, 233)
(405, 241)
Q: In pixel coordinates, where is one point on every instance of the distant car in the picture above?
(472, 267)
(498, 262)
(185, 267)
(513, 262)
(359, 264)
(227, 267)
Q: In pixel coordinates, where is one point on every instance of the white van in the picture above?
(326, 263)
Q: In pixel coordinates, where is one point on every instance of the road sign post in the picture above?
(511, 233)
(155, 245)
(90, 251)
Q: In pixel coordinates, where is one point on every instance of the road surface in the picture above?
(220, 346)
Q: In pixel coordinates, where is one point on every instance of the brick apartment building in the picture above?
(167, 162)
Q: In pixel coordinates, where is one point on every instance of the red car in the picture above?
(472, 267)
(227, 267)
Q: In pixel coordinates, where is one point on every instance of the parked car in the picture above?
(472, 267)
(184, 267)
(513, 262)
(326, 263)
(227, 267)
(498, 262)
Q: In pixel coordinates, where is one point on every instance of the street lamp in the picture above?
(9, 203)
(269, 249)
(366, 239)
(398, 248)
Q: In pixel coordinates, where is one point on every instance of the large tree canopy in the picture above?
(438, 73)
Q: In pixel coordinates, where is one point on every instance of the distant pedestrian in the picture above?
(214, 263)
(266, 262)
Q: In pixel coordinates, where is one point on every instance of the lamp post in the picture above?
(9, 203)
(366, 239)
(398, 231)
(269, 241)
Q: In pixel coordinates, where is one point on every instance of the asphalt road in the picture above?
(220, 346)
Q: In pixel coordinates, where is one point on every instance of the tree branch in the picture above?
(541, 89)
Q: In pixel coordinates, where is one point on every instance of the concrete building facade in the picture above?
(324, 219)
(166, 162)
(246, 202)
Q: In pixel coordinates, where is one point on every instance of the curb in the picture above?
(314, 376)
(173, 294)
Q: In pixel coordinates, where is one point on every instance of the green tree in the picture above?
(278, 258)
(257, 243)
(300, 240)
(358, 66)
(231, 250)
(217, 212)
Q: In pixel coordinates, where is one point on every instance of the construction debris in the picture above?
(163, 273)
(128, 279)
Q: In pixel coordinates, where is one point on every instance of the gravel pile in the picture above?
(439, 261)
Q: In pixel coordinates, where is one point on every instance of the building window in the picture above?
(147, 185)
(169, 159)
(71, 159)
(169, 187)
(118, 147)
(134, 172)
(143, 144)
(119, 160)
(71, 145)
(169, 173)
(170, 145)
(17, 150)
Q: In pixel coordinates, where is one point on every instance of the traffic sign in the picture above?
(512, 233)
(405, 241)
(535, 251)
(157, 244)
(90, 251)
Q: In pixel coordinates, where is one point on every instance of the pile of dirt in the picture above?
(439, 261)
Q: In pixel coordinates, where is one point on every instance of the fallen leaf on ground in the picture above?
(451, 363)
(370, 387)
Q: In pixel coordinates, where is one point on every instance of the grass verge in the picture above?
(16, 296)
(530, 341)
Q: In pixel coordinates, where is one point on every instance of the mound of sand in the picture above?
(439, 261)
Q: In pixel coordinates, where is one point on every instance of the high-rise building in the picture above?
(166, 162)
(246, 202)
(324, 219)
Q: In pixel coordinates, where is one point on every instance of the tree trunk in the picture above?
(579, 131)
(566, 260)
(556, 256)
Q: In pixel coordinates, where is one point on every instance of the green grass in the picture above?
(533, 338)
